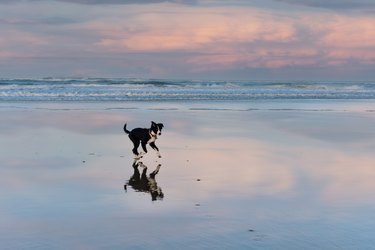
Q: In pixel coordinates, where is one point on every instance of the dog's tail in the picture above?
(126, 131)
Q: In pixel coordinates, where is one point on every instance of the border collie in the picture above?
(143, 183)
(145, 136)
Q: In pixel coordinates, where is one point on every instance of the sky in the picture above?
(188, 39)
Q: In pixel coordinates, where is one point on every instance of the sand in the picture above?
(239, 176)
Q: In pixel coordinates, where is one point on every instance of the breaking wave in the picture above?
(131, 89)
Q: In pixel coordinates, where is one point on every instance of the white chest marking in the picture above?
(152, 139)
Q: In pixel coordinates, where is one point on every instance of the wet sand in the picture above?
(251, 176)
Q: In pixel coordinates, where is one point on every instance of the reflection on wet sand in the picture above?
(256, 180)
(143, 183)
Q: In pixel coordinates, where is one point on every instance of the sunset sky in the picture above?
(189, 39)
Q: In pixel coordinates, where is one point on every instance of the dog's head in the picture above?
(156, 128)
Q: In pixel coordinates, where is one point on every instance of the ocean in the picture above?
(131, 89)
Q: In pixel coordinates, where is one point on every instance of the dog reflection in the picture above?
(143, 183)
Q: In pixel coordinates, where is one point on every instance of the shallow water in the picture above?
(264, 178)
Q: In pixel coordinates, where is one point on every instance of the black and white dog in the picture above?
(145, 136)
(143, 183)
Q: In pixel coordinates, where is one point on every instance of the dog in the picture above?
(143, 183)
(145, 136)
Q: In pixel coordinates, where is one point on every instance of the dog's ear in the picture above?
(161, 125)
(153, 123)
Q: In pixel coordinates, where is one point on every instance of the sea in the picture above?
(134, 89)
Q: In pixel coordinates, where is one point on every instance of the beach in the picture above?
(244, 175)
(268, 113)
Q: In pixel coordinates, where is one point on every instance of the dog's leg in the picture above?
(140, 164)
(154, 147)
(144, 148)
(135, 146)
(155, 172)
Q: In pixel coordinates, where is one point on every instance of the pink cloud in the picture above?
(197, 38)
(223, 38)
(347, 32)
(350, 38)
(21, 44)
(198, 29)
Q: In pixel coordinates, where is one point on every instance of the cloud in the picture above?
(231, 38)
(37, 21)
(195, 30)
(110, 1)
(334, 4)
(173, 39)
(128, 1)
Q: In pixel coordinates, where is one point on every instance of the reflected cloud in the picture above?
(260, 154)
(141, 182)
(81, 121)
